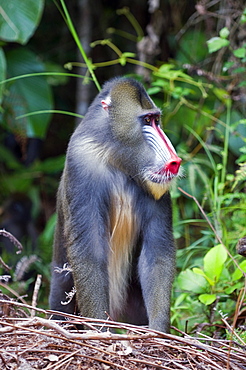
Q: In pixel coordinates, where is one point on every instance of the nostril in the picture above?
(173, 165)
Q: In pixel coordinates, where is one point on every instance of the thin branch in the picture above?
(12, 239)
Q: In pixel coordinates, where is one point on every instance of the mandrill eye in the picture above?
(157, 121)
(147, 120)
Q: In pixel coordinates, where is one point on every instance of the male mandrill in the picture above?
(114, 224)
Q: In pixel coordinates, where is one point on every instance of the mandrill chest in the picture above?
(125, 214)
(124, 225)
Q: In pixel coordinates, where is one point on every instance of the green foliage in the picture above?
(19, 97)
(2, 71)
(193, 45)
(26, 95)
(215, 181)
(216, 43)
(243, 17)
(23, 179)
(18, 23)
(213, 264)
(46, 239)
(217, 280)
(190, 280)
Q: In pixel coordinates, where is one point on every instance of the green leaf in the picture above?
(240, 52)
(2, 71)
(227, 65)
(231, 289)
(216, 43)
(207, 298)
(154, 90)
(214, 262)
(27, 95)
(9, 159)
(180, 299)
(224, 33)
(16, 182)
(243, 17)
(192, 282)
(202, 273)
(198, 271)
(237, 133)
(48, 232)
(167, 71)
(19, 19)
(51, 165)
(237, 274)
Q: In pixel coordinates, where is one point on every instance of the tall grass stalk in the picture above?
(77, 40)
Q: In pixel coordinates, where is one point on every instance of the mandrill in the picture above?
(114, 225)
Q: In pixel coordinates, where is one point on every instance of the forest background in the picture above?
(191, 58)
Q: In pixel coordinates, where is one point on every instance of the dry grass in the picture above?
(28, 341)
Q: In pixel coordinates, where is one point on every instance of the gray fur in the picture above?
(103, 180)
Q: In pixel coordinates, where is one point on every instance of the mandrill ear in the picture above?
(106, 103)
